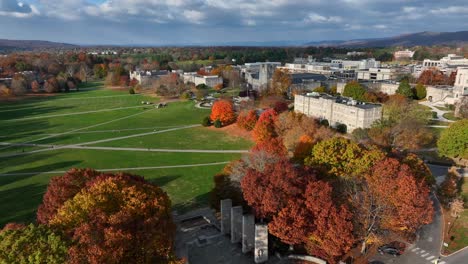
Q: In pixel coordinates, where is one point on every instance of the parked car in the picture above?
(394, 249)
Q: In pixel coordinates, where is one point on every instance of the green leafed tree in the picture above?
(354, 90)
(405, 89)
(32, 244)
(453, 141)
(420, 91)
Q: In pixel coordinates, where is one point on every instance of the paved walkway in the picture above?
(440, 113)
(121, 169)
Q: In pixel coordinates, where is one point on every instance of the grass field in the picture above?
(106, 115)
(458, 237)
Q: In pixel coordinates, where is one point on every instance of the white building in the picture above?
(146, 77)
(356, 65)
(403, 54)
(447, 64)
(338, 110)
(208, 80)
(377, 74)
(461, 83)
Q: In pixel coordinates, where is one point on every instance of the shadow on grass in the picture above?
(195, 203)
(161, 181)
(20, 204)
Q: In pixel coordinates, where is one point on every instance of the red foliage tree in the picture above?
(35, 86)
(12, 226)
(315, 222)
(265, 128)
(269, 190)
(223, 111)
(61, 189)
(433, 77)
(247, 119)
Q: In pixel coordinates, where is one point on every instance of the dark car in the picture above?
(394, 249)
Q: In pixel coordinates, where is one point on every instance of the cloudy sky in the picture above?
(162, 22)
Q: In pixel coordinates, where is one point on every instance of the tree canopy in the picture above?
(354, 90)
(32, 244)
(453, 141)
(224, 112)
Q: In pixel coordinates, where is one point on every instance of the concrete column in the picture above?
(226, 206)
(248, 233)
(261, 243)
(236, 224)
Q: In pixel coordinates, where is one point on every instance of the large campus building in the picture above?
(338, 110)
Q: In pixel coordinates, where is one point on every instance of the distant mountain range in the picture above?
(7, 44)
(425, 38)
(414, 39)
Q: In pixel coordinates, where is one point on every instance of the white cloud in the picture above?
(194, 16)
(13, 8)
(451, 10)
(317, 18)
(380, 26)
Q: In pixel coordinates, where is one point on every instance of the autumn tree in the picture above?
(32, 244)
(51, 85)
(314, 220)
(404, 200)
(453, 141)
(433, 77)
(118, 219)
(265, 127)
(343, 158)
(19, 85)
(35, 86)
(268, 191)
(354, 90)
(280, 82)
(405, 89)
(61, 189)
(223, 111)
(403, 125)
(449, 189)
(247, 119)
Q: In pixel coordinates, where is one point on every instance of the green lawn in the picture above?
(458, 233)
(62, 119)
(451, 116)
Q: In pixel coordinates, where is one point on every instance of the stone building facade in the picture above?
(338, 110)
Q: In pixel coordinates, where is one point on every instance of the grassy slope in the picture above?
(188, 187)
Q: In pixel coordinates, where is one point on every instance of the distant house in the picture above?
(403, 54)
(377, 74)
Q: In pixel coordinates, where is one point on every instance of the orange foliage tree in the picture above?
(265, 128)
(247, 119)
(223, 111)
(118, 219)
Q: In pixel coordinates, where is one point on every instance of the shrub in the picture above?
(206, 122)
(434, 114)
(131, 91)
(218, 124)
(324, 122)
(341, 128)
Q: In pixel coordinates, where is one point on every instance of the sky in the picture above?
(182, 22)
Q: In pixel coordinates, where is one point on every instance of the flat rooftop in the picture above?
(344, 100)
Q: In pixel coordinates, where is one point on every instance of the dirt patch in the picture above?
(234, 130)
